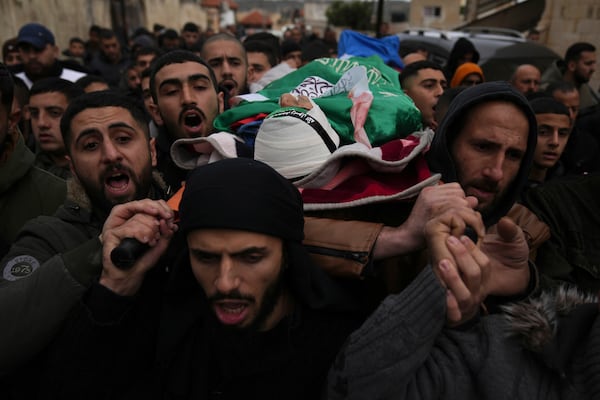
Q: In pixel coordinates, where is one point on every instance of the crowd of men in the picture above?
(480, 284)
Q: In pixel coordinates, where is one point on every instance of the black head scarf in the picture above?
(248, 195)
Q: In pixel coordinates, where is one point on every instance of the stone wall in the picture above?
(450, 14)
(64, 19)
(74, 17)
(565, 22)
(174, 13)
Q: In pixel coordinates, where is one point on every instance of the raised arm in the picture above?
(33, 308)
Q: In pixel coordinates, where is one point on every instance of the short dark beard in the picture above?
(47, 71)
(579, 80)
(273, 294)
(95, 191)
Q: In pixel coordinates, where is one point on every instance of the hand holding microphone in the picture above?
(130, 249)
(135, 236)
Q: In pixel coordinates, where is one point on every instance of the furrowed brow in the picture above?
(250, 250)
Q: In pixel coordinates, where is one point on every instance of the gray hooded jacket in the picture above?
(546, 348)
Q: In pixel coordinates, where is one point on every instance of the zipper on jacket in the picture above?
(358, 256)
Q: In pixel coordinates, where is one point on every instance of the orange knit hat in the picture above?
(463, 70)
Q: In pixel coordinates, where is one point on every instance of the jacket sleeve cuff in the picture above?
(106, 307)
(493, 303)
(341, 248)
(84, 262)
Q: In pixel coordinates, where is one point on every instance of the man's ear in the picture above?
(71, 167)
(571, 65)
(14, 117)
(155, 112)
(152, 145)
(405, 88)
(221, 102)
(249, 75)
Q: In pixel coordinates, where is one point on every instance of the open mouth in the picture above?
(231, 312)
(229, 85)
(192, 121)
(117, 182)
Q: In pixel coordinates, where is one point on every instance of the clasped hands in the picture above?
(496, 265)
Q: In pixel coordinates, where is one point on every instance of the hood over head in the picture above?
(440, 159)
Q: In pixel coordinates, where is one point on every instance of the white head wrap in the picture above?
(295, 143)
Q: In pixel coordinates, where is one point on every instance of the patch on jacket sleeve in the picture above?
(20, 267)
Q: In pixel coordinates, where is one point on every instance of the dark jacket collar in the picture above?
(554, 325)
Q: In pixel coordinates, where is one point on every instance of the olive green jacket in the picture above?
(25, 192)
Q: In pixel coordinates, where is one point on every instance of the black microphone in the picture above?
(127, 253)
(130, 250)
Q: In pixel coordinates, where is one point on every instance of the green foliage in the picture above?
(356, 15)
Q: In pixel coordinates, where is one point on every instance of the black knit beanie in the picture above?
(242, 194)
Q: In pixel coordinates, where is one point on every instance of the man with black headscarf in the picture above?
(269, 331)
(246, 315)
